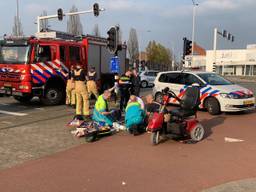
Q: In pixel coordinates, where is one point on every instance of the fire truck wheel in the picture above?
(23, 99)
(52, 96)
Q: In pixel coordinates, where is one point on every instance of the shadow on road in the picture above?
(209, 124)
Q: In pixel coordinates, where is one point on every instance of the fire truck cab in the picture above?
(39, 66)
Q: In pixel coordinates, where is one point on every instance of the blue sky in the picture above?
(167, 20)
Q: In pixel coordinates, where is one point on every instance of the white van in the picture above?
(217, 94)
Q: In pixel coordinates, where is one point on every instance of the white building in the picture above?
(240, 62)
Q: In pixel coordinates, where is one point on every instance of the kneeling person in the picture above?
(101, 111)
(134, 116)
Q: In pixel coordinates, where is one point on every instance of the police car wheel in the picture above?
(212, 106)
(144, 84)
(52, 96)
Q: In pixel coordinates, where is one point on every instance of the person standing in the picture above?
(91, 83)
(82, 98)
(135, 83)
(124, 88)
(70, 89)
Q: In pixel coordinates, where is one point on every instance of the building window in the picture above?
(254, 70)
(247, 70)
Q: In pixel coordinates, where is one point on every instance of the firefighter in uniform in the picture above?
(82, 98)
(70, 89)
(91, 83)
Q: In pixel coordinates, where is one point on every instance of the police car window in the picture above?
(163, 78)
(175, 78)
(74, 53)
(189, 79)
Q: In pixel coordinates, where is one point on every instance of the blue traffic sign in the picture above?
(115, 65)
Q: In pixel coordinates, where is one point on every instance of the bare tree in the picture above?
(96, 30)
(133, 45)
(120, 37)
(74, 25)
(44, 24)
(17, 27)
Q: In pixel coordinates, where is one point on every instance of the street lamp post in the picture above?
(193, 28)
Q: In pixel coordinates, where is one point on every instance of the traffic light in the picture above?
(60, 14)
(187, 47)
(112, 39)
(96, 9)
(214, 68)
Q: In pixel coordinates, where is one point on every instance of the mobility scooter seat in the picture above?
(188, 103)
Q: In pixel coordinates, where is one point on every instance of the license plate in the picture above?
(248, 102)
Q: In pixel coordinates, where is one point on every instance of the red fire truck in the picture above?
(39, 66)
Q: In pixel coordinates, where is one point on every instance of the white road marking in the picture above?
(41, 109)
(232, 140)
(13, 113)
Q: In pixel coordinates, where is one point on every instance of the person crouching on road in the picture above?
(135, 116)
(101, 113)
(124, 88)
(91, 83)
(70, 89)
(82, 98)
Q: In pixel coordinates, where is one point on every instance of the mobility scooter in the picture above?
(182, 123)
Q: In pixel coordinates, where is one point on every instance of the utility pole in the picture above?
(193, 29)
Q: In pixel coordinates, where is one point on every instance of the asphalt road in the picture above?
(44, 156)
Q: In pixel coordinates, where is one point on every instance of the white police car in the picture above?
(217, 94)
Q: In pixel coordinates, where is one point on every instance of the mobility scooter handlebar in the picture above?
(167, 91)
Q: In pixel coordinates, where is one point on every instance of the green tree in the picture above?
(159, 56)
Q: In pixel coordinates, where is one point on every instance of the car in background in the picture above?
(217, 94)
(147, 78)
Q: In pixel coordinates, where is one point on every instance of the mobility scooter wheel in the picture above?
(155, 138)
(197, 134)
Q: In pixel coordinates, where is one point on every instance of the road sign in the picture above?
(115, 64)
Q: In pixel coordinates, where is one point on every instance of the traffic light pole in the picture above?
(215, 38)
(215, 47)
(193, 31)
(39, 18)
